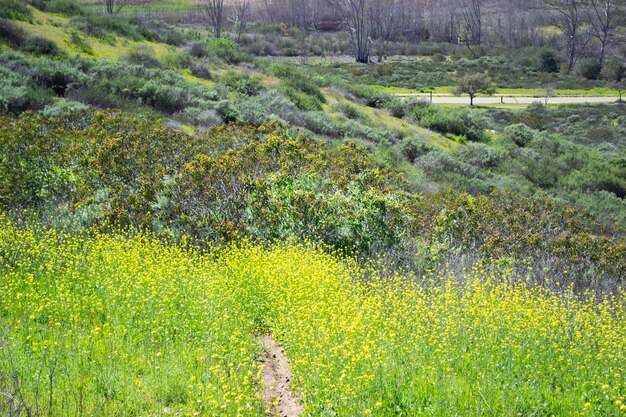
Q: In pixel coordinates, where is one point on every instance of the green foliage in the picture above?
(242, 82)
(273, 182)
(474, 85)
(458, 122)
(588, 68)
(520, 134)
(40, 46)
(68, 8)
(548, 61)
(11, 33)
(613, 70)
(15, 10)
(143, 56)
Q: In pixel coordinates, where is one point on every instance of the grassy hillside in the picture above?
(168, 200)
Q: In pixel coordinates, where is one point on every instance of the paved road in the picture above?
(512, 99)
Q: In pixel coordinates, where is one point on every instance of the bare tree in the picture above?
(569, 17)
(114, 6)
(354, 14)
(239, 17)
(602, 15)
(214, 12)
(388, 19)
(472, 14)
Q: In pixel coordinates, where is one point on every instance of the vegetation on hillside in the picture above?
(120, 325)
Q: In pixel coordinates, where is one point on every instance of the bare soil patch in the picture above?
(277, 376)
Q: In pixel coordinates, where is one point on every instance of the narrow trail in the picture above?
(277, 376)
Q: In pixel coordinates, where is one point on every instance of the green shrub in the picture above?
(226, 50)
(269, 105)
(65, 7)
(548, 61)
(370, 96)
(63, 107)
(201, 69)
(57, 76)
(241, 82)
(142, 55)
(15, 10)
(614, 70)
(413, 147)
(588, 69)
(351, 111)
(81, 43)
(198, 50)
(459, 122)
(520, 134)
(11, 33)
(40, 46)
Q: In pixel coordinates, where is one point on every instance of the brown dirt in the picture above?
(280, 400)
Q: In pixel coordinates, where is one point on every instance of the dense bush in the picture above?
(65, 7)
(589, 68)
(272, 182)
(14, 10)
(11, 33)
(460, 122)
(40, 46)
(241, 82)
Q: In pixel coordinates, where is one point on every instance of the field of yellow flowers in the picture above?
(129, 326)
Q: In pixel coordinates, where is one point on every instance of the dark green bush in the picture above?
(588, 68)
(459, 122)
(142, 56)
(413, 147)
(198, 50)
(241, 82)
(65, 7)
(105, 27)
(11, 33)
(57, 76)
(40, 46)
(14, 10)
(548, 61)
(520, 134)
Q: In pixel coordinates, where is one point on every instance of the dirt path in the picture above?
(277, 376)
(512, 99)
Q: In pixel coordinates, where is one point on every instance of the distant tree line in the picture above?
(577, 27)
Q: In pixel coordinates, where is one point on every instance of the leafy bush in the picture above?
(548, 61)
(142, 55)
(226, 50)
(65, 7)
(370, 96)
(351, 111)
(268, 105)
(12, 33)
(520, 134)
(201, 69)
(57, 76)
(459, 122)
(413, 147)
(588, 69)
(241, 82)
(14, 10)
(40, 46)
(198, 50)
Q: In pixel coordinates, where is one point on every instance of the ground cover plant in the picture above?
(120, 325)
